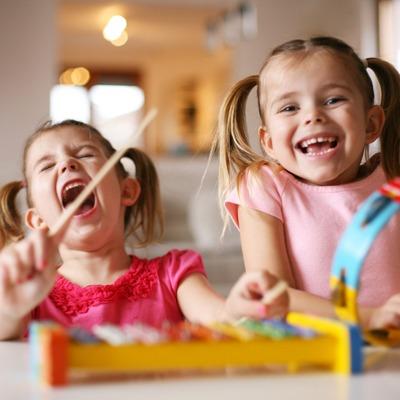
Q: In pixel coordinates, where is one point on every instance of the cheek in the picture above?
(111, 188)
(43, 197)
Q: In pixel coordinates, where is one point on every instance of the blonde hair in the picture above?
(236, 157)
(143, 220)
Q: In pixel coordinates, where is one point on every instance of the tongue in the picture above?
(85, 207)
(318, 147)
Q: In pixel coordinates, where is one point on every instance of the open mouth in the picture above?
(71, 191)
(317, 145)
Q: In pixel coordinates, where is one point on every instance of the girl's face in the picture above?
(60, 163)
(316, 120)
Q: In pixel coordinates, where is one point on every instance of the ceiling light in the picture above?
(114, 28)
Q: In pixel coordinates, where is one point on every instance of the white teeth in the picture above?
(308, 142)
(72, 185)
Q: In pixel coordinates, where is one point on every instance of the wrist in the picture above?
(12, 327)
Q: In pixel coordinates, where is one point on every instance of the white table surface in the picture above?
(381, 381)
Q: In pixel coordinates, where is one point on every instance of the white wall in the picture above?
(353, 21)
(27, 72)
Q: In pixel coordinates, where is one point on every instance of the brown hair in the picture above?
(143, 220)
(235, 154)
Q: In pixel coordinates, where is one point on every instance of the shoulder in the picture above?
(176, 265)
(173, 260)
(181, 258)
(260, 189)
(263, 181)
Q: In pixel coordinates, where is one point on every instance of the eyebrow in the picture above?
(328, 86)
(75, 149)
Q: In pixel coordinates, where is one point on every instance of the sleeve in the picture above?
(259, 192)
(181, 264)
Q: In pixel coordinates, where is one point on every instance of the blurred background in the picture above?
(106, 62)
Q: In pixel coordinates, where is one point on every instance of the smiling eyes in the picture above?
(331, 101)
(48, 166)
(334, 100)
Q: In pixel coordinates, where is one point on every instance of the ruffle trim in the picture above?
(137, 283)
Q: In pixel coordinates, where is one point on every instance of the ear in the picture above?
(130, 191)
(266, 142)
(33, 220)
(375, 122)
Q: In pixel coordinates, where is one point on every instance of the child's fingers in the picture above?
(279, 290)
(250, 309)
(25, 253)
(392, 315)
(275, 311)
(43, 248)
(16, 269)
(46, 251)
(256, 283)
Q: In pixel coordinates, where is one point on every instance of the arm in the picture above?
(200, 303)
(264, 248)
(26, 277)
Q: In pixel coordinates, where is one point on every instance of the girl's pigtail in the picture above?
(145, 218)
(10, 220)
(235, 153)
(389, 80)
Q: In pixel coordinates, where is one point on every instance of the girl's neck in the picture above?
(99, 267)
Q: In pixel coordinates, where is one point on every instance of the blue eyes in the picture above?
(288, 109)
(331, 101)
(334, 100)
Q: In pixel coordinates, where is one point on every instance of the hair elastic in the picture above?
(376, 86)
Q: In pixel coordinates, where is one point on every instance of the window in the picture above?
(111, 104)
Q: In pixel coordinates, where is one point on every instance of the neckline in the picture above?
(122, 278)
(375, 175)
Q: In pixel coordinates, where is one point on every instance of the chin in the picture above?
(84, 238)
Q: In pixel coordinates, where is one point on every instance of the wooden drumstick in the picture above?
(274, 292)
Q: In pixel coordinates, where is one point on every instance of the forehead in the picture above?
(60, 138)
(301, 68)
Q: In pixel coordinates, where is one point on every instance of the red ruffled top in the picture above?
(146, 292)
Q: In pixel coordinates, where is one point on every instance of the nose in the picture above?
(68, 165)
(314, 116)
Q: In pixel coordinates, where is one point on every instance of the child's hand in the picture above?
(27, 273)
(246, 297)
(386, 316)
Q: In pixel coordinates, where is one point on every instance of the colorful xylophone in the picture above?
(303, 341)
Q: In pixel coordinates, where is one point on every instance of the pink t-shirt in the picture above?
(146, 292)
(314, 218)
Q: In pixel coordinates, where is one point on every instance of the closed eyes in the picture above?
(88, 155)
(46, 167)
(49, 166)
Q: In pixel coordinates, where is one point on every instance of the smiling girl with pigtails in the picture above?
(320, 108)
